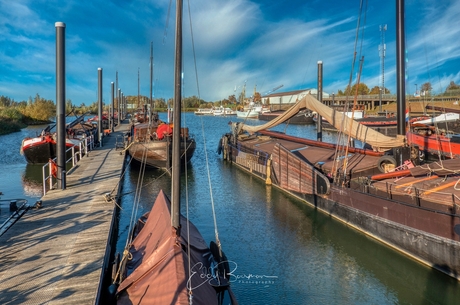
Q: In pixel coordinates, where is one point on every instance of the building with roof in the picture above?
(289, 97)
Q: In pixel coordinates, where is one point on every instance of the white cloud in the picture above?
(264, 44)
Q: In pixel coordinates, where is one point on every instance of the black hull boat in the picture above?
(43, 147)
(40, 149)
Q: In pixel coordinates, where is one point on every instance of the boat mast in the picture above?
(138, 89)
(175, 177)
(151, 74)
(400, 68)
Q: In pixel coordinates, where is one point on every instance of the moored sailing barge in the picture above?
(414, 209)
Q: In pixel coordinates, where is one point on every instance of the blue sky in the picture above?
(260, 43)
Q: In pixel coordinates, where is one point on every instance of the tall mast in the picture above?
(175, 177)
(382, 50)
(151, 74)
(138, 89)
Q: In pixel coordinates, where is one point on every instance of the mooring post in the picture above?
(400, 68)
(99, 104)
(319, 125)
(112, 116)
(60, 104)
(122, 106)
(119, 103)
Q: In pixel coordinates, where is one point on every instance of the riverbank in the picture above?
(8, 126)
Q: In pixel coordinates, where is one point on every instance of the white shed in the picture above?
(289, 97)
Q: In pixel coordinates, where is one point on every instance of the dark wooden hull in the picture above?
(157, 153)
(421, 226)
(40, 153)
(299, 119)
(42, 150)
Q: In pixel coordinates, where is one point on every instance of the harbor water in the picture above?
(282, 250)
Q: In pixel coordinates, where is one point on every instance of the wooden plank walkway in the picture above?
(56, 254)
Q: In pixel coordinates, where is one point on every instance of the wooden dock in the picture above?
(57, 254)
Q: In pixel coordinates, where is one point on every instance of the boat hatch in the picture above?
(263, 143)
(342, 157)
(455, 138)
(299, 149)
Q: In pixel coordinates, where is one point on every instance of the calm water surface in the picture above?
(285, 251)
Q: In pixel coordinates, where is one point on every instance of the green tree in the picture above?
(362, 90)
(426, 88)
(452, 86)
(232, 99)
(257, 97)
(376, 90)
(39, 109)
(5, 101)
(68, 106)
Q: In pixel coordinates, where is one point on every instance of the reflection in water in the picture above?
(32, 180)
(286, 252)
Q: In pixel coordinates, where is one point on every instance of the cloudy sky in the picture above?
(254, 42)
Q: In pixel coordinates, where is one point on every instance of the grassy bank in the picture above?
(8, 126)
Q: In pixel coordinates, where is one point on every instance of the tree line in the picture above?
(16, 115)
(425, 89)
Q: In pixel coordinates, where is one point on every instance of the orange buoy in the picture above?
(53, 166)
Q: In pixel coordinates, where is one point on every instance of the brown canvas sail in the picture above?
(160, 263)
(339, 120)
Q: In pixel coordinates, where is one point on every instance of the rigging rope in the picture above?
(342, 150)
(216, 231)
(207, 163)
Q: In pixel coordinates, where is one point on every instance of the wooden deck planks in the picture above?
(56, 254)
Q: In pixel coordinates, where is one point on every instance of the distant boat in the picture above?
(251, 112)
(303, 117)
(223, 111)
(442, 118)
(204, 111)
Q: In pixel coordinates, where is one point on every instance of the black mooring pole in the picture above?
(122, 106)
(118, 98)
(319, 122)
(119, 105)
(60, 104)
(99, 104)
(112, 116)
(400, 68)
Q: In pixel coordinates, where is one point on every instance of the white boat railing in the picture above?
(85, 145)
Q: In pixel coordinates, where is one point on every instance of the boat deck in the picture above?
(57, 254)
(321, 158)
(440, 193)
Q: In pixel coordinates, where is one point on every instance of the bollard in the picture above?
(13, 206)
(63, 180)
